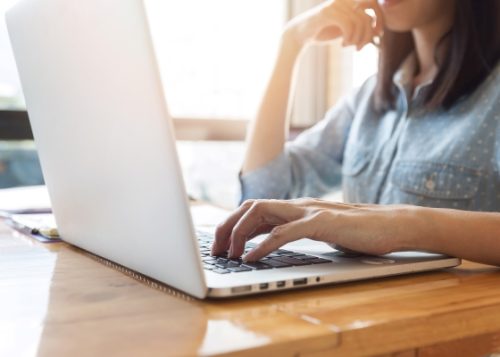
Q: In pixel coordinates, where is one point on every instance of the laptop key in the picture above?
(282, 252)
(319, 261)
(239, 261)
(239, 269)
(232, 264)
(277, 263)
(301, 256)
(292, 261)
(227, 264)
(257, 266)
(221, 271)
(295, 254)
(208, 267)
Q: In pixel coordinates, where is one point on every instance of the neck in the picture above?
(427, 38)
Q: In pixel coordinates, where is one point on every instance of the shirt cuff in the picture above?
(271, 181)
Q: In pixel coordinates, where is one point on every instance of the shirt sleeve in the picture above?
(310, 166)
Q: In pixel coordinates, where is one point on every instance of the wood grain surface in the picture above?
(55, 300)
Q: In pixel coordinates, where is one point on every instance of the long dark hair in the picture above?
(473, 50)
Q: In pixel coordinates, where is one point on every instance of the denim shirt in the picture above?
(445, 158)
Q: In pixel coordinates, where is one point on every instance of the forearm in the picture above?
(268, 132)
(327, 21)
(473, 236)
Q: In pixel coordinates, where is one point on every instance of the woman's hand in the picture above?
(367, 229)
(333, 19)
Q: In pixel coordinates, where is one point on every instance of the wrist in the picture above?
(415, 231)
(291, 42)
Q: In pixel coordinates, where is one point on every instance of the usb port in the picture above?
(280, 284)
(302, 281)
(264, 286)
(241, 289)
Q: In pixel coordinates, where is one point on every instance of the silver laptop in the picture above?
(108, 154)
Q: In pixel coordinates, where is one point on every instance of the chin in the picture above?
(398, 25)
(406, 15)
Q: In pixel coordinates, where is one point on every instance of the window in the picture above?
(215, 56)
(10, 89)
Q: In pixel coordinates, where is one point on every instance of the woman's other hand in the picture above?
(366, 229)
(334, 19)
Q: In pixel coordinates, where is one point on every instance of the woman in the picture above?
(424, 132)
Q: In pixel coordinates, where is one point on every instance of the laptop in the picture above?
(108, 154)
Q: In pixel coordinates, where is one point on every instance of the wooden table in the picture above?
(57, 301)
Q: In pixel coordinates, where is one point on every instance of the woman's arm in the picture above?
(369, 229)
(469, 235)
(268, 132)
(325, 22)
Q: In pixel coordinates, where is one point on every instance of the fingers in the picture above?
(280, 236)
(329, 33)
(224, 230)
(365, 34)
(341, 16)
(349, 26)
(354, 23)
(262, 214)
(378, 27)
(257, 217)
(358, 25)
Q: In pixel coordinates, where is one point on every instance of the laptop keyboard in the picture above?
(278, 259)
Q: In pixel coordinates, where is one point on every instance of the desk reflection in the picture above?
(61, 302)
(57, 301)
(25, 282)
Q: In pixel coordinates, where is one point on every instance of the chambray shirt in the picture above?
(445, 158)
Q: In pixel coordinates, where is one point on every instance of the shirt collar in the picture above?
(403, 78)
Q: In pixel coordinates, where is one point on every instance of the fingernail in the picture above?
(249, 256)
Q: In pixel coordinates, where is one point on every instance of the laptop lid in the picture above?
(104, 135)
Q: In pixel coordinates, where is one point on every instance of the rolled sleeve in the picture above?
(310, 166)
(270, 181)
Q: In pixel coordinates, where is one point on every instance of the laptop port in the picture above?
(298, 282)
(264, 286)
(241, 289)
(280, 284)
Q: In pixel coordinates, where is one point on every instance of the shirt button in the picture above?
(430, 185)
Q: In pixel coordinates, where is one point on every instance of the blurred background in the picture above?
(215, 58)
